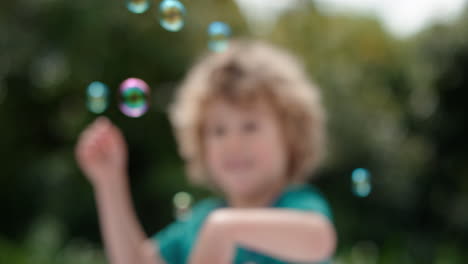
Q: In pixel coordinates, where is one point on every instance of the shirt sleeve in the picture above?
(307, 198)
(169, 242)
(176, 240)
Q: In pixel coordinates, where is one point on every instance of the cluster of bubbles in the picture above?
(182, 202)
(171, 16)
(361, 182)
(171, 12)
(133, 94)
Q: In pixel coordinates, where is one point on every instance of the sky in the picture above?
(400, 17)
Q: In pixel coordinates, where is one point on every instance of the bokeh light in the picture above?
(49, 70)
(366, 252)
(134, 95)
(138, 6)
(361, 182)
(172, 15)
(97, 97)
(218, 35)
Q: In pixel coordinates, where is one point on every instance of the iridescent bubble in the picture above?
(218, 35)
(138, 6)
(134, 95)
(97, 97)
(171, 15)
(182, 202)
(361, 182)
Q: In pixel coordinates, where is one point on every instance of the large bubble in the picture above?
(172, 15)
(134, 95)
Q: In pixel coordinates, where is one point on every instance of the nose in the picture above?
(232, 142)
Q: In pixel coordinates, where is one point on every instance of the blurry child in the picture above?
(249, 124)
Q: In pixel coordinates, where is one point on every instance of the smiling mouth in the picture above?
(240, 165)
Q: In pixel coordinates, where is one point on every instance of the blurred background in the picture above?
(394, 81)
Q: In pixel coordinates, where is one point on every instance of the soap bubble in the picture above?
(97, 97)
(361, 182)
(218, 34)
(134, 97)
(171, 15)
(182, 202)
(138, 6)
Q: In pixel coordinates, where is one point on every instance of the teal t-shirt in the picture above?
(177, 240)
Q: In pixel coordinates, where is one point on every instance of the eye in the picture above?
(218, 130)
(250, 126)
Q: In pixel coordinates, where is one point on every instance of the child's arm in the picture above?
(102, 155)
(124, 238)
(286, 234)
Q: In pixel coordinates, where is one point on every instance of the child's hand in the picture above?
(101, 152)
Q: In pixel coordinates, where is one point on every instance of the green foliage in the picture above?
(46, 244)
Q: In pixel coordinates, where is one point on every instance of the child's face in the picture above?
(244, 148)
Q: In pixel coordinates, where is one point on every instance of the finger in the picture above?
(97, 124)
(103, 140)
(116, 135)
(94, 151)
(103, 121)
(85, 135)
(88, 133)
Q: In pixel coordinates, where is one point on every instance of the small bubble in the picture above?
(361, 182)
(97, 97)
(218, 35)
(138, 6)
(172, 15)
(182, 202)
(134, 95)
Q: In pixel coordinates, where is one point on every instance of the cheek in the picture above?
(212, 155)
(270, 154)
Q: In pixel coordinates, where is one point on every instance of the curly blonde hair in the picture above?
(245, 72)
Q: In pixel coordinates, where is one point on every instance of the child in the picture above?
(250, 125)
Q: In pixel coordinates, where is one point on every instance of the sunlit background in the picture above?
(393, 78)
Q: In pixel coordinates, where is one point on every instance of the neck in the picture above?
(263, 197)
